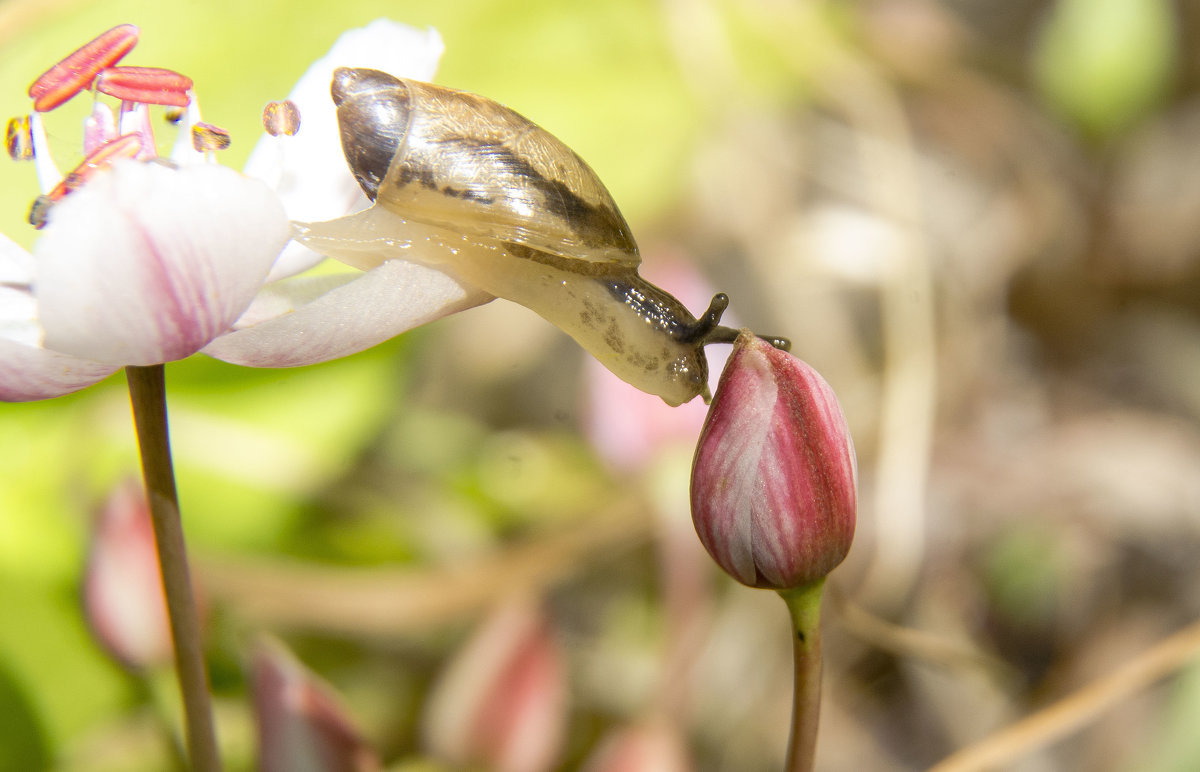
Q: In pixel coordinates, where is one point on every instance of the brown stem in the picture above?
(804, 606)
(147, 394)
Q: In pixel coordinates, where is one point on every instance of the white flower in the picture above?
(146, 264)
(142, 265)
(307, 319)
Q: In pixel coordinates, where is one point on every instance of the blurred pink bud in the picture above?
(122, 591)
(501, 704)
(647, 748)
(628, 427)
(301, 725)
(773, 480)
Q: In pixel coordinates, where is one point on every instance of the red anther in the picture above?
(207, 137)
(124, 146)
(76, 72)
(148, 85)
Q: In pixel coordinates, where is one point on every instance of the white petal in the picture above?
(18, 316)
(372, 308)
(308, 169)
(284, 297)
(148, 264)
(295, 258)
(16, 265)
(29, 373)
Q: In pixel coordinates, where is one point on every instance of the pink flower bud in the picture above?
(122, 592)
(301, 725)
(501, 705)
(773, 481)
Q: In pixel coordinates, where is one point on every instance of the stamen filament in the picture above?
(124, 146)
(47, 173)
(99, 127)
(135, 119)
(183, 151)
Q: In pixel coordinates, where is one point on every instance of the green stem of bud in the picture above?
(804, 606)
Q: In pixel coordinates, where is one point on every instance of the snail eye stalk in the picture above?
(708, 324)
(708, 328)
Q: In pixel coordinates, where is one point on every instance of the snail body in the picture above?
(473, 189)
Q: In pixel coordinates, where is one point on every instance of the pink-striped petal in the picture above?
(774, 476)
(30, 373)
(147, 264)
(345, 319)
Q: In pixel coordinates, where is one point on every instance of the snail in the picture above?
(469, 187)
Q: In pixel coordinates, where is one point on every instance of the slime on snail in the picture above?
(469, 187)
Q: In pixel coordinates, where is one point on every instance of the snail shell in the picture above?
(464, 162)
(470, 187)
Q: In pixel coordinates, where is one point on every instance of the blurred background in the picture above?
(979, 219)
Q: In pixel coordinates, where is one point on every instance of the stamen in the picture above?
(135, 119)
(99, 127)
(182, 151)
(18, 139)
(40, 211)
(76, 72)
(207, 138)
(173, 115)
(43, 163)
(147, 85)
(124, 146)
(281, 118)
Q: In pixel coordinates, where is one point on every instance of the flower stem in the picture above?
(804, 606)
(147, 393)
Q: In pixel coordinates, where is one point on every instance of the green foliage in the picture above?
(22, 743)
(1105, 63)
(1023, 570)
